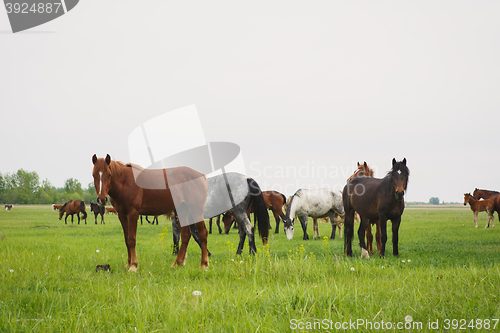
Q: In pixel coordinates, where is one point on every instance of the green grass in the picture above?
(48, 280)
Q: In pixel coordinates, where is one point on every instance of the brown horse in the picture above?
(365, 170)
(376, 199)
(73, 207)
(274, 202)
(477, 206)
(134, 190)
(56, 207)
(488, 194)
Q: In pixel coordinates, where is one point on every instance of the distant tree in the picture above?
(434, 201)
(72, 185)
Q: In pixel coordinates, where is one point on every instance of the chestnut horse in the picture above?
(487, 194)
(477, 206)
(274, 202)
(155, 196)
(73, 207)
(375, 199)
(365, 170)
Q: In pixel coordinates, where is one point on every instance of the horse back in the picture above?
(150, 192)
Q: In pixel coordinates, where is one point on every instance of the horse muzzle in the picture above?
(102, 202)
(399, 195)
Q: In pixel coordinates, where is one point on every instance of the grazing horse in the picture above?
(365, 170)
(56, 207)
(487, 194)
(8, 207)
(375, 199)
(73, 207)
(243, 192)
(274, 202)
(314, 203)
(111, 210)
(155, 218)
(96, 209)
(134, 190)
(477, 206)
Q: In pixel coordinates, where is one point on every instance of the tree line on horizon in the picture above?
(24, 187)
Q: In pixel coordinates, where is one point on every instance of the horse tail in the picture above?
(259, 209)
(82, 210)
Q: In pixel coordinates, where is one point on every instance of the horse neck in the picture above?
(292, 207)
(117, 181)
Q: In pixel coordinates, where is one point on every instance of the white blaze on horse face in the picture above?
(399, 172)
(100, 182)
(289, 232)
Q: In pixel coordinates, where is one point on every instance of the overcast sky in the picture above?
(305, 88)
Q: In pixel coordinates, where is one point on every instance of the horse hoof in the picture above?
(364, 254)
(132, 268)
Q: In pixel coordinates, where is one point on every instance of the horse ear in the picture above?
(108, 159)
(358, 164)
(94, 159)
(404, 161)
(366, 166)
(393, 162)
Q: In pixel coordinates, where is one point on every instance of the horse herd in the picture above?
(191, 198)
(489, 204)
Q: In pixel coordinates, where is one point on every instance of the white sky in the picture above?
(302, 87)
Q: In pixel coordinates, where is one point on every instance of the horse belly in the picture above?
(156, 202)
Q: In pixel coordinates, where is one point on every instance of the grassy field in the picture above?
(447, 278)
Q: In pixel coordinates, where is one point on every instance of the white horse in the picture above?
(314, 203)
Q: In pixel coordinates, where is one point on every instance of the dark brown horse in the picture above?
(73, 207)
(488, 194)
(375, 199)
(365, 170)
(134, 190)
(477, 206)
(97, 210)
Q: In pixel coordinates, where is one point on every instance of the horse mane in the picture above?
(480, 189)
(116, 168)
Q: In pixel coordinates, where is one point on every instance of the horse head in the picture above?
(102, 178)
(466, 198)
(400, 174)
(62, 210)
(288, 226)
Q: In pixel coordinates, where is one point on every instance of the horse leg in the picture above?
(369, 238)
(131, 240)
(218, 224)
(95, 217)
(124, 223)
(180, 260)
(383, 234)
(210, 225)
(475, 218)
(66, 219)
(377, 236)
(395, 236)
(176, 233)
(361, 236)
(245, 229)
(348, 232)
(333, 222)
(202, 234)
(315, 227)
(303, 221)
(277, 219)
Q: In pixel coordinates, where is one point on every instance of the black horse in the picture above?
(375, 199)
(98, 209)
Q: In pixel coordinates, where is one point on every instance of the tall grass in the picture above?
(447, 269)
